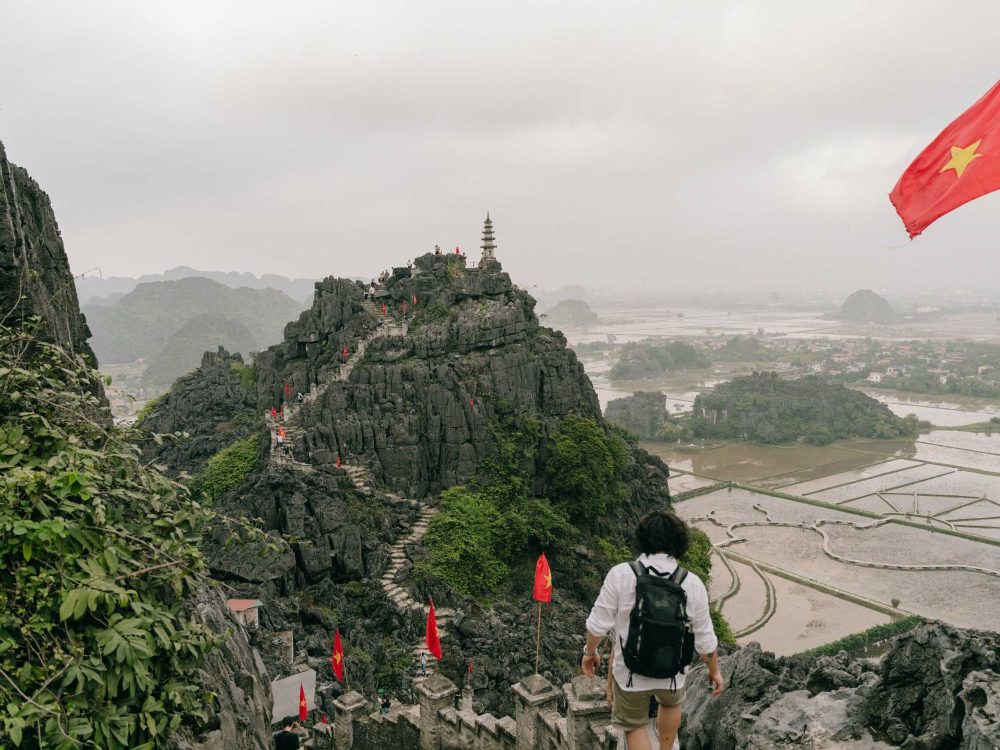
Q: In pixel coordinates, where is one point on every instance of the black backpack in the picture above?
(660, 640)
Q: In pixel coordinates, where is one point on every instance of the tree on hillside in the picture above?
(584, 468)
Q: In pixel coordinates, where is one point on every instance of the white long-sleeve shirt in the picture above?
(614, 605)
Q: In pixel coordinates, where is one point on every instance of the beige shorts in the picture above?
(631, 708)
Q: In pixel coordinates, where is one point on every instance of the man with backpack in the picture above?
(659, 614)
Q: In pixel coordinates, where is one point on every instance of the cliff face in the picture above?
(34, 271)
(417, 409)
(937, 687)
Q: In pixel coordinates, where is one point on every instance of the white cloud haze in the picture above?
(660, 144)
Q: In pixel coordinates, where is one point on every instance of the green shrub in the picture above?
(228, 468)
(534, 524)
(584, 468)
(148, 408)
(461, 543)
(247, 375)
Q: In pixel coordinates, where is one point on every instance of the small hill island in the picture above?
(765, 408)
(572, 312)
(866, 306)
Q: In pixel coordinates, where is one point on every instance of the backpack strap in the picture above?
(678, 575)
(637, 568)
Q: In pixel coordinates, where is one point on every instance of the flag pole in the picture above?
(538, 639)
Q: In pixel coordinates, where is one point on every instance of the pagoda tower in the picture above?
(489, 246)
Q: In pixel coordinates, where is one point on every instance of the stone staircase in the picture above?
(364, 483)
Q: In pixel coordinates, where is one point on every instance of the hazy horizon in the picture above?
(659, 147)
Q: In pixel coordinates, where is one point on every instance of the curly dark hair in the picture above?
(662, 531)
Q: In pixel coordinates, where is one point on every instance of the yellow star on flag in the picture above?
(302, 703)
(961, 158)
(548, 580)
(337, 657)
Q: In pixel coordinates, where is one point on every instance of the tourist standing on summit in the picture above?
(657, 636)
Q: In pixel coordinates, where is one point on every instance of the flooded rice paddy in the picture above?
(931, 502)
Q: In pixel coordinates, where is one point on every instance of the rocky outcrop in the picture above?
(235, 676)
(215, 405)
(935, 689)
(417, 410)
(34, 271)
(643, 413)
(866, 306)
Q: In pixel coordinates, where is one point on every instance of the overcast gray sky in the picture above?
(657, 143)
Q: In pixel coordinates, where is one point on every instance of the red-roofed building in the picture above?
(245, 610)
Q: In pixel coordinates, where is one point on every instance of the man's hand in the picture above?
(590, 663)
(718, 683)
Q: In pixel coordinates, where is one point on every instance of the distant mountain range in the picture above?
(95, 290)
(172, 323)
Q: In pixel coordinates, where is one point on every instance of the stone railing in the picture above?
(436, 723)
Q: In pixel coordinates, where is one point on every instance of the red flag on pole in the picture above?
(470, 666)
(543, 580)
(344, 352)
(456, 250)
(414, 298)
(433, 638)
(274, 413)
(961, 164)
(338, 460)
(288, 389)
(337, 659)
(303, 706)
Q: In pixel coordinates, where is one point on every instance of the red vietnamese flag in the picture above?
(337, 658)
(961, 164)
(274, 413)
(433, 638)
(288, 389)
(303, 707)
(543, 580)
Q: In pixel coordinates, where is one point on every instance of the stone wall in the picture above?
(437, 723)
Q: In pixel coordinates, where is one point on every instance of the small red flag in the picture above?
(338, 460)
(433, 638)
(414, 298)
(961, 164)
(288, 389)
(470, 666)
(543, 580)
(456, 250)
(303, 706)
(323, 719)
(337, 659)
(274, 412)
(344, 351)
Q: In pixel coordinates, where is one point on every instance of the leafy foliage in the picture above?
(643, 413)
(97, 554)
(498, 516)
(646, 359)
(228, 468)
(768, 409)
(461, 543)
(584, 468)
